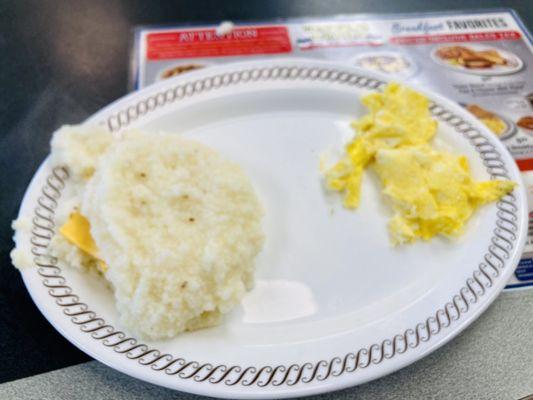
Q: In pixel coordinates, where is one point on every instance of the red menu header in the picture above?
(456, 37)
(206, 43)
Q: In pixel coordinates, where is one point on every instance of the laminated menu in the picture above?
(481, 59)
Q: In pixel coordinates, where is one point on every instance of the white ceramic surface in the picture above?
(517, 63)
(334, 305)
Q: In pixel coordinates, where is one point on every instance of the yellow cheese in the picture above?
(432, 192)
(77, 230)
(495, 124)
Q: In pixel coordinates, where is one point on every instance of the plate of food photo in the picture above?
(180, 68)
(270, 229)
(499, 125)
(477, 59)
(526, 123)
(386, 62)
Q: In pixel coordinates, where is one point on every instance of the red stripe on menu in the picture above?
(456, 37)
(325, 46)
(206, 43)
(525, 165)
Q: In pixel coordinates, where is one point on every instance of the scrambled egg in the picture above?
(432, 192)
(177, 224)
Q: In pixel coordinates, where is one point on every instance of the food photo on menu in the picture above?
(288, 207)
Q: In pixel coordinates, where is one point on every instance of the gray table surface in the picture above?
(492, 359)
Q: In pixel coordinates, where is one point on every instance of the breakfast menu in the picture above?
(481, 59)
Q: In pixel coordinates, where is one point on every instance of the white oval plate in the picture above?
(494, 71)
(334, 305)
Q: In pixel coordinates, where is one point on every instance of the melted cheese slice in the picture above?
(77, 230)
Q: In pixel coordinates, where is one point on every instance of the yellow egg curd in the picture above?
(432, 192)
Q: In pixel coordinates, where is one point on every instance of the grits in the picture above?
(176, 227)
